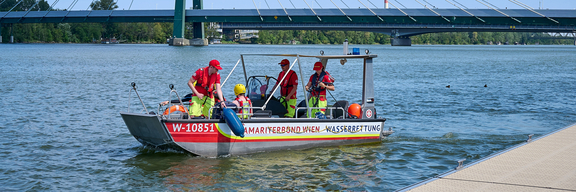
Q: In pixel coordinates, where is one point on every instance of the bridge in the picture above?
(399, 23)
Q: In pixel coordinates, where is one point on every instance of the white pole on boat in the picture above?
(386, 4)
(230, 73)
(244, 67)
(303, 87)
(283, 77)
(346, 47)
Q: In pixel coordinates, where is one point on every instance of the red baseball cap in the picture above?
(284, 62)
(317, 66)
(216, 64)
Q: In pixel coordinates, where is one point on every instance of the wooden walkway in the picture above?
(547, 163)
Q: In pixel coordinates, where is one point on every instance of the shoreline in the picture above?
(273, 44)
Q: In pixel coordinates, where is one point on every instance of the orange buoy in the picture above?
(174, 108)
(356, 110)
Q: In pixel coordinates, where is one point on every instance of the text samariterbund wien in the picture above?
(209, 128)
(311, 129)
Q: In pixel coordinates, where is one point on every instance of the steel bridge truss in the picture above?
(404, 22)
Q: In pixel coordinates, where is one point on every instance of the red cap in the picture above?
(216, 64)
(284, 62)
(317, 66)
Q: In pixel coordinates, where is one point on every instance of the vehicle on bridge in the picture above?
(225, 134)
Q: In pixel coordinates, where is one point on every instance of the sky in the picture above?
(318, 4)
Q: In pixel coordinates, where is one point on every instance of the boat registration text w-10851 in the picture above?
(191, 127)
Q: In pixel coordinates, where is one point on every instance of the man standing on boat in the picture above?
(206, 78)
(288, 88)
(317, 85)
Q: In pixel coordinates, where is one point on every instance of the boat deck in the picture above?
(547, 163)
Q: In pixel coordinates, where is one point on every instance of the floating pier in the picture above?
(547, 163)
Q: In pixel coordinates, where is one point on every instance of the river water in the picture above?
(62, 131)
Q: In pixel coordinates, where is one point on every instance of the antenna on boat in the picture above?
(345, 46)
(342, 61)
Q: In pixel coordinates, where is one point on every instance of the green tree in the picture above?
(103, 5)
(159, 35)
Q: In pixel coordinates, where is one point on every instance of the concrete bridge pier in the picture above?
(401, 41)
(11, 34)
(198, 27)
(179, 26)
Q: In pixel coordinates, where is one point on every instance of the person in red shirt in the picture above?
(317, 85)
(206, 79)
(288, 88)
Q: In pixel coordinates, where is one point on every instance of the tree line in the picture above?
(80, 32)
(447, 38)
(159, 32)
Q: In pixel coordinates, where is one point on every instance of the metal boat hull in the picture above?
(212, 138)
(147, 129)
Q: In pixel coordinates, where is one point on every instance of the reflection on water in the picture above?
(338, 168)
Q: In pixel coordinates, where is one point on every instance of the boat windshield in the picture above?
(259, 87)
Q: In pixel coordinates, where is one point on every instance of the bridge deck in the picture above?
(212, 15)
(416, 21)
(545, 164)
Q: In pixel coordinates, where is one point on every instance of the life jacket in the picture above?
(204, 82)
(316, 80)
(284, 85)
(246, 107)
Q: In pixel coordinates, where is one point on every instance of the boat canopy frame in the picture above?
(368, 107)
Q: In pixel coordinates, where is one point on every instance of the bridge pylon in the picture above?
(400, 40)
(11, 33)
(180, 24)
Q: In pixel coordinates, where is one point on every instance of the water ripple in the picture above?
(62, 130)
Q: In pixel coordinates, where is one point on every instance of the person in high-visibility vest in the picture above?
(242, 102)
(206, 79)
(317, 85)
(288, 88)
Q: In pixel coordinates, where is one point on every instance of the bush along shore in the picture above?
(158, 33)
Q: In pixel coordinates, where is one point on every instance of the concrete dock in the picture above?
(547, 163)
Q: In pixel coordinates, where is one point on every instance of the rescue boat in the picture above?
(264, 131)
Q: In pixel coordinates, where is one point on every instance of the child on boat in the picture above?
(242, 102)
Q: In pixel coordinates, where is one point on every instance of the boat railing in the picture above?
(172, 90)
(242, 113)
(331, 110)
(235, 108)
